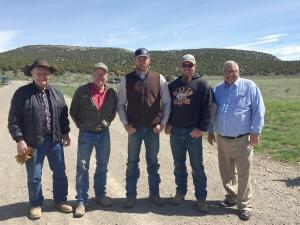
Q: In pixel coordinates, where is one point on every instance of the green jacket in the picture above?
(85, 114)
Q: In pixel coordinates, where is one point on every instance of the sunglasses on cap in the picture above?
(187, 65)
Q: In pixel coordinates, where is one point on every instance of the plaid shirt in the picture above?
(44, 102)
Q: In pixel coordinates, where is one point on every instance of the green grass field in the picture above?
(280, 138)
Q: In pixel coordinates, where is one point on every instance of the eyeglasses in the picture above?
(231, 71)
(187, 65)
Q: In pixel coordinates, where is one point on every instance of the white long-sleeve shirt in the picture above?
(164, 94)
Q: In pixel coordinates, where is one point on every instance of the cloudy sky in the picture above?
(271, 26)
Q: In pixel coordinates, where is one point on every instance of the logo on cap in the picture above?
(188, 58)
(141, 52)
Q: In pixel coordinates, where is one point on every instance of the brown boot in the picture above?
(104, 201)
(64, 207)
(157, 200)
(130, 202)
(202, 205)
(177, 199)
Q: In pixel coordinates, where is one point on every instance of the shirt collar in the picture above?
(95, 88)
(235, 84)
(39, 89)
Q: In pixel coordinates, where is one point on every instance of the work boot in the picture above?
(177, 199)
(104, 201)
(244, 215)
(80, 210)
(202, 205)
(228, 203)
(64, 207)
(157, 200)
(130, 202)
(35, 213)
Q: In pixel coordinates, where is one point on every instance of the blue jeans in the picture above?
(151, 141)
(87, 140)
(34, 166)
(182, 142)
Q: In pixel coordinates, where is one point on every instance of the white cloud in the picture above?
(273, 37)
(291, 52)
(6, 38)
(262, 40)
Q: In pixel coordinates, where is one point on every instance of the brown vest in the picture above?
(143, 99)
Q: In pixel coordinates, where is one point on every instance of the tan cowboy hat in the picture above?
(38, 62)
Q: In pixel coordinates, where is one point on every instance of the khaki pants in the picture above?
(235, 159)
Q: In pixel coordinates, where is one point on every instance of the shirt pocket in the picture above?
(243, 101)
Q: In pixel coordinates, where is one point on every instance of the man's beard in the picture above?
(186, 79)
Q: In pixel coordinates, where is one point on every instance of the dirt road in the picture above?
(276, 186)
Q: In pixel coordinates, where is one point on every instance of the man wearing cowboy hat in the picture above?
(38, 118)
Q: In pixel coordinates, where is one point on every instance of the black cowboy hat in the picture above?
(38, 62)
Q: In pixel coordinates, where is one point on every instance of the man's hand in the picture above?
(66, 140)
(168, 128)
(24, 152)
(196, 133)
(211, 138)
(21, 147)
(158, 128)
(130, 129)
(254, 139)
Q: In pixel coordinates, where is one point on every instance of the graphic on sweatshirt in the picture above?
(182, 94)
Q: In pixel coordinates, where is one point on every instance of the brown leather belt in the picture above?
(228, 137)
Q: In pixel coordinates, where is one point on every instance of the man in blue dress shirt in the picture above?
(238, 122)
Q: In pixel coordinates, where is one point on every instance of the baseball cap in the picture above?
(101, 65)
(141, 52)
(188, 58)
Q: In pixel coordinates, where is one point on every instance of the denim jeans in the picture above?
(182, 142)
(87, 140)
(34, 166)
(151, 141)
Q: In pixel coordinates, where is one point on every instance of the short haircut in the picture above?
(229, 63)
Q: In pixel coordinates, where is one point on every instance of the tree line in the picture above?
(209, 60)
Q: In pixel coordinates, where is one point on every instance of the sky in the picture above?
(270, 26)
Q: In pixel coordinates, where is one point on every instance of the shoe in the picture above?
(104, 201)
(202, 205)
(80, 210)
(64, 207)
(35, 213)
(177, 199)
(244, 215)
(227, 203)
(157, 200)
(130, 202)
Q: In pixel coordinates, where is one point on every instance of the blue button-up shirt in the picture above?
(240, 108)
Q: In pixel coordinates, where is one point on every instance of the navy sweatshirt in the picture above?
(191, 103)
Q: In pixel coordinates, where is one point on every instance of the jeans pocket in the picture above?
(171, 131)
